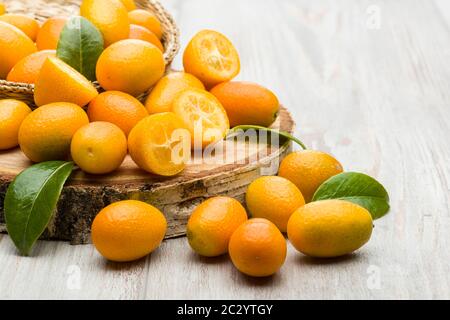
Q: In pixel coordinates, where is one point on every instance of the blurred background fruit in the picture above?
(129, 4)
(141, 33)
(168, 88)
(109, 16)
(128, 230)
(48, 36)
(12, 113)
(160, 144)
(131, 66)
(2, 8)
(257, 248)
(25, 23)
(122, 109)
(27, 69)
(308, 170)
(57, 81)
(330, 228)
(147, 20)
(212, 58)
(275, 199)
(247, 103)
(212, 223)
(46, 133)
(203, 115)
(14, 45)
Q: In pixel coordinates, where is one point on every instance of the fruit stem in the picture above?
(284, 134)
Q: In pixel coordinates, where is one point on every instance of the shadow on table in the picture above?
(234, 273)
(347, 259)
(126, 266)
(258, 282)
(198, 259)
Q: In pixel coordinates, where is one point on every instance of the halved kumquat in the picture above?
(212, 58)
(203, 115)
(160, 144)
(57, 81)
(168, 88)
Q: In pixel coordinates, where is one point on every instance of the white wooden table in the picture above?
(368, 81)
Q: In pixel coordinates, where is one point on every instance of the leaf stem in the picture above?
(284, 134)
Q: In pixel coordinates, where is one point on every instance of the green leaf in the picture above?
(31, 199)
(357, 188)
(283, 134)
(80, 46)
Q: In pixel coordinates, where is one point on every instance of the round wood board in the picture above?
(227, 173)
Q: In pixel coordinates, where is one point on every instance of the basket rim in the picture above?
(171, 42)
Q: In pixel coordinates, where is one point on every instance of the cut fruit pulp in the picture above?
(203, 115)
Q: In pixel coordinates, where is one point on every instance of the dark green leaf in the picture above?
(357, 188)
(282, 134)
(31, 199)
(80, 46)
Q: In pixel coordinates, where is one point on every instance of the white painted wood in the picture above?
(377, 98)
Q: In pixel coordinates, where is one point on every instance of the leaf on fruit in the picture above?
(80, 46)
(358, 188)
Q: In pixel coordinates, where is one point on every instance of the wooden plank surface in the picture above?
(368, 81)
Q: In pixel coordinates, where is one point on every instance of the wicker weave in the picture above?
(44, 9)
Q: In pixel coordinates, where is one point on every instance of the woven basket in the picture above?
(44, 9)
